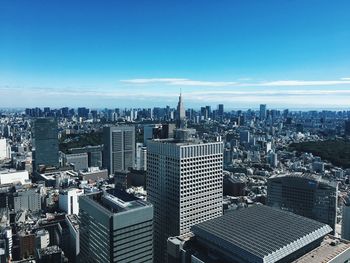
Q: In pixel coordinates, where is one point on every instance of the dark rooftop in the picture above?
(262, 231)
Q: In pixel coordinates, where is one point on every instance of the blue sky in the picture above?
(140, 53)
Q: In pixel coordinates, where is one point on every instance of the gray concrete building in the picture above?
(94, 154)
(184, 184)
(78, 160)
(27, 200)
(115, 227)
(119, 148)
(304, 194)
(45, 142)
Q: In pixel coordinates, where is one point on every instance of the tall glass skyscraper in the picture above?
(263, 112)
(115, 227)
(45, 142)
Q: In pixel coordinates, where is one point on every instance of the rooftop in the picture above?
(50, 250)
(264, 232)
(330, 248)
(73, 220)
(117, 201)
(307, 176)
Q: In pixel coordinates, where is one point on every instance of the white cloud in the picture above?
(241, 83)
(151, 80)
(179, 82)
(290, 83)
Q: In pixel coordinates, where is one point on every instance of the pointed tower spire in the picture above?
(180, 114)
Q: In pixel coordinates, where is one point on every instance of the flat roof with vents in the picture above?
(260, 233)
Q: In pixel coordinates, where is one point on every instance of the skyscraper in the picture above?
(45, 142)
(345, 226)
(119, 148)
(185, 186)
(180, 114)
(263, 113)
(304, 194)
(221, 111)
(115, 227)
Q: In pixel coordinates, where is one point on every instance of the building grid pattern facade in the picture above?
(184, 184)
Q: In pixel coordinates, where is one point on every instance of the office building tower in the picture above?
(79, 161)
(220, 111)
(273, 159)
(27, 200)
(115, 227)
(26, 244)
(318, 167)
(83, 112)
(208, 111)
(141, 157)
(204, 113)
(347, 127)
(345, 226)
(69, 200)
(94, 154)
(5, 149)
(45, 142)
(263, 112)
(151, 131)
(42, 239)
(119, 148)
(184, 184)
(244, 137)
(180, 114)
(158, 131)
(304, 194)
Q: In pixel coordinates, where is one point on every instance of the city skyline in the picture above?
(291, 54)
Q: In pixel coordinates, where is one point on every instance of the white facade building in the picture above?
(13, 177)
(42, 239)
(68, 200)
(185, 186)
(141, 157)
(5, 150)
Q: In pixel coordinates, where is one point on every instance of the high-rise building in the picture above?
(263, 112)
(184, 184)
(27, 200)
(115, 227)
(5, 149)
(180, 114)
(68, 200)
(304, 194)
(221, 111)
(151, 131)
(94, 154)
(45, 142)
(345, 226)
(347, 127)
(208, 111)
(78, 160)
(244, 136)
(119, 148)
(141, 157)
(158, 131)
